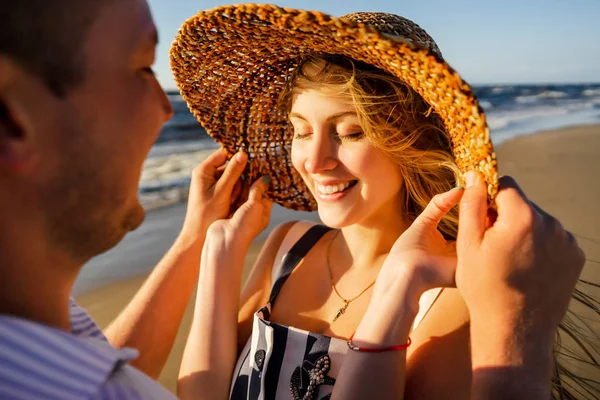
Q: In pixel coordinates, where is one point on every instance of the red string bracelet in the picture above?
(377, 350)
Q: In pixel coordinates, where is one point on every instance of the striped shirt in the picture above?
(40, 362)
(283, 362)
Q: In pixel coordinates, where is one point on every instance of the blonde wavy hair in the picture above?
(396, 120)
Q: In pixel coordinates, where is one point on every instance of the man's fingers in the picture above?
(511, 200)
(232, 172)
(439, 206)
(473, 209)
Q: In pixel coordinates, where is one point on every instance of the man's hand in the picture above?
(522, 269)
(516, 274)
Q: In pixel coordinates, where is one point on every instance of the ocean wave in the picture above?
(499, 120)
(486, 104)
(167, 175)
(172, 148)
(175, 98)
(548, 94)
(502, 89)
(591, 92)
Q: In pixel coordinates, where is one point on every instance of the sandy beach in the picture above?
(559, 170)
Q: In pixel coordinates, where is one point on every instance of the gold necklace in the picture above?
(342, 309)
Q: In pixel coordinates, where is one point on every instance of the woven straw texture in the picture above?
(231, 64)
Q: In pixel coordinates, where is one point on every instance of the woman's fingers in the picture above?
(232, 172)
(259, 188)
(438, 207)
(237, 191)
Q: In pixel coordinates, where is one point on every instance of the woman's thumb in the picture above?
(438, 207)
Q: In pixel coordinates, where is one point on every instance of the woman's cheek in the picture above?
(298, 157)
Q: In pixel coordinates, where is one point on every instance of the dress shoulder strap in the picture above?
(293, 257)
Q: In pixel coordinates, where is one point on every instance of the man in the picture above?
(79, 110)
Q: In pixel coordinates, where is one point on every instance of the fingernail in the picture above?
(266, 179)
(456, 188)
(471, 178)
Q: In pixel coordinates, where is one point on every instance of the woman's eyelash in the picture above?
(351, 136)
(300, 136)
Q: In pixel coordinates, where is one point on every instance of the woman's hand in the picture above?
(421, 255)
(249, 220)
(421, 259)
(214, 191)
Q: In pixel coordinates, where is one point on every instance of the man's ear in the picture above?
(15, 138)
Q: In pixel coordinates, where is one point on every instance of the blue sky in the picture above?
(487, 41)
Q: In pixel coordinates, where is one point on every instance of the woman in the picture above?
(370, 155)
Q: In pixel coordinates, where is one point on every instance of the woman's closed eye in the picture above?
(350, 136)
(301, 135)
(342, 136)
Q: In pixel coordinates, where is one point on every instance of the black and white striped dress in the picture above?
(283, 362)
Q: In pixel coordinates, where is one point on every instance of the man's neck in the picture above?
(36, 281)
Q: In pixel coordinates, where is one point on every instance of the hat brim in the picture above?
(231, 64)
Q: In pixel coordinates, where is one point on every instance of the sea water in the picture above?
(511, 110)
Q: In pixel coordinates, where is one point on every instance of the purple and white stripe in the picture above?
(41, 362)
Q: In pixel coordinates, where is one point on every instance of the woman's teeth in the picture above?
(331, 189)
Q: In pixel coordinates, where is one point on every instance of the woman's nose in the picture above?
(321, 155)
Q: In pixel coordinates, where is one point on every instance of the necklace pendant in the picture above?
(341, 311)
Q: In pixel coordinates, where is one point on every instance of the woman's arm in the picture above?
(257, 288)
(420, 259)
(386, 323)
(211, 350)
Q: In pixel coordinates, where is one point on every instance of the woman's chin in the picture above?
(335, 220)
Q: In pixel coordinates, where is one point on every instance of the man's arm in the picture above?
(516, 277)
(151, 320)
(510, 363)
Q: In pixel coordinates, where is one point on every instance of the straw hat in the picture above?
(231, 64)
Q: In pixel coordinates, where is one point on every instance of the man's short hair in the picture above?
(47, 37)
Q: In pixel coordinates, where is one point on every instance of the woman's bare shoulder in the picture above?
(439, 361)
(257, 287)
